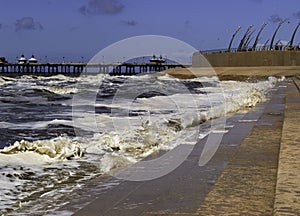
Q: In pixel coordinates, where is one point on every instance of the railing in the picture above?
(93, 68)
(249, 49)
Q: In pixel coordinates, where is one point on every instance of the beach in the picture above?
(236, 73)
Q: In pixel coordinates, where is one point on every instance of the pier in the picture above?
(89, 68)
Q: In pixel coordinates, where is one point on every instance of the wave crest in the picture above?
(60, 148)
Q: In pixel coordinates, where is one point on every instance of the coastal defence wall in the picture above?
(247, 59)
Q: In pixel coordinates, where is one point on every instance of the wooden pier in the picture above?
(89, 68)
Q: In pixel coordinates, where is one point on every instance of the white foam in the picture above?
(61, 90)
(124, 140)
(40, 151)
(187, 111)
(2, 81)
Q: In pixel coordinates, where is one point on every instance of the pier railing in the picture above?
(91, 68)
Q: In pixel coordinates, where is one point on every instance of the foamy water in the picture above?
(58, 132)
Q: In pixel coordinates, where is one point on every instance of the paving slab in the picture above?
(287, 199)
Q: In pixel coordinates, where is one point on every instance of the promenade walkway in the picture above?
(254, 183)
(287, 200)
(255, 171)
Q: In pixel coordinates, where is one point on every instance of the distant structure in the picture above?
(258, 35)
(2, 59)
(247, 37)
(273, 37)
(293, 37)
(32, 59)
(277, 53)
(236, 31)
(22, 59)
(244, 39)
(155, 60)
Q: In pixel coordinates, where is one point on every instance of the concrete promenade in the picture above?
(287, 200)
(255, 171)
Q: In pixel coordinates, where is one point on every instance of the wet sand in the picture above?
(235, 73)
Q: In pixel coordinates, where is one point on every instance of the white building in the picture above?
(22, 60)
(32, 59)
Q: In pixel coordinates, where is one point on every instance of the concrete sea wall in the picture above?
(240, 59)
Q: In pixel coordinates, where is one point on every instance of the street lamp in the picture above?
(272, 40)
(248, 40)
(257, 37)
(82, 59)
(236, 31)
(244, 38)
(63, 59)
(294, 33)
(265, 44)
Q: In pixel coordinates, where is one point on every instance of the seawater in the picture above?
(58, 132)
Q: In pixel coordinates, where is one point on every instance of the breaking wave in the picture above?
(156, 123)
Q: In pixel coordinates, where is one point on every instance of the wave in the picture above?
(185, 111)
(44, 151)
(61, 90)
(236, 96)
(119, 145)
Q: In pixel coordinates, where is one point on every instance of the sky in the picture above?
(75, 30)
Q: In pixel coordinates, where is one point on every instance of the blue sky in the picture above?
(80, 28)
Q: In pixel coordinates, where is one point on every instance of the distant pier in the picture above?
(90, 68)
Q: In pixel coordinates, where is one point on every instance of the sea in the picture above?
(58, 133)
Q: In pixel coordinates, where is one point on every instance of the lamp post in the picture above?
(272, 40)
(248, 40)
(265, 44)
(293, 36)
(257, 37)
(236, 31)
(46, 59)
(63, 59)
(244, 37)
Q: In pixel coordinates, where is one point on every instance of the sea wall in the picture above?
(250, 58)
